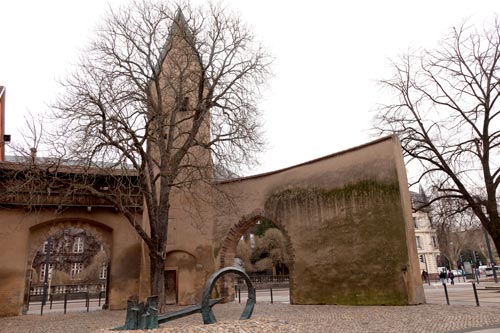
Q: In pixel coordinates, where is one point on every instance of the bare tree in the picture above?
(451, 223)
(446, 112)
(163, 93)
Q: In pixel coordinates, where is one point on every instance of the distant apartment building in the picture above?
(425, 235)
(71, 252)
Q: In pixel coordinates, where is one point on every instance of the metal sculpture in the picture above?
(206, 309)
(145, 316)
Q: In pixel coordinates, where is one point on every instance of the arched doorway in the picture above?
(261, 246)
(68, 256)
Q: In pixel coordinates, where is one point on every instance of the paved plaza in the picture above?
(461, 316)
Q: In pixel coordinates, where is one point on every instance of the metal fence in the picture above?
(266, 281)
(81, 301)
(78, 295)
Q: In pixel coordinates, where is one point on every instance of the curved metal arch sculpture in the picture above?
(206, 309)
(145, 316)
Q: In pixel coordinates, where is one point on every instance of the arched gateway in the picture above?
(25, 228)
(343, 215)
(60, 229)
(347, 218)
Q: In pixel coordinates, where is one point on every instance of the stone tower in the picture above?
(178, 96)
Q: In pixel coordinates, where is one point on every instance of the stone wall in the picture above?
(348, 219)
(23, 232)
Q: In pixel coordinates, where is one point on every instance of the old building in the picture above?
(70, 254)
(353, 201)
(425, 235)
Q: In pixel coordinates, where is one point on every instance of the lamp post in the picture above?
(452, 254)
(47, 267)
(427, 269)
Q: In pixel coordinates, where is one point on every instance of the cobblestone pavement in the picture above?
(280, 318)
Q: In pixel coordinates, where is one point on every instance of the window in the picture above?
(184, 104)
(78, 245)
(46, 247)
(42, 271)
(434, 242)
(415, 222)
(419, 243)
(76, 268)
(104, 271)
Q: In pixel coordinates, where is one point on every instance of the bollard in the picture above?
(239, 295)
(87, 300)
(475, 293)
(65, 302)
(271, 290)
(446, 293)
(51, 298)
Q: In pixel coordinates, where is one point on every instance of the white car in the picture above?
(489, 272)
(457, 272)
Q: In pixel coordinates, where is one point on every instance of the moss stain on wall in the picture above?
(350, 243)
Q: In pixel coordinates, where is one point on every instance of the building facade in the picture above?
(425, 235)
(73, 257)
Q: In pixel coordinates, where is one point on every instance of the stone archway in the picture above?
(234, 234)
(230, 242)
(39, 233)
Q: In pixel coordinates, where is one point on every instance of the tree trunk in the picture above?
(496, 241)
(158, 280)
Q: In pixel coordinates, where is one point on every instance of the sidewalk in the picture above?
(284, 318)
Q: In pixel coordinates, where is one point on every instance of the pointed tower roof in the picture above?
(179, 27)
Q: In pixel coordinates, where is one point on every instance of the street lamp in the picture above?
(47, 268)
(426, 269)
(451, 256)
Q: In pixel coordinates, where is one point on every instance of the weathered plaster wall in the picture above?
(22, 233)
(348, 219)
(190, 232)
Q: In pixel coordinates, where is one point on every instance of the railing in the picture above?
(62, 295)
(69, 288)
(75, 199)
(267, 279)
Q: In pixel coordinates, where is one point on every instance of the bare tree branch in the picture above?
(445, 113)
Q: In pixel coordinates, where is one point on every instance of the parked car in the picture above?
(489, 271)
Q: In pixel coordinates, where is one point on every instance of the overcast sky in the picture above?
(328, 57)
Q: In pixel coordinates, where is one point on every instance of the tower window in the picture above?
(184, 104)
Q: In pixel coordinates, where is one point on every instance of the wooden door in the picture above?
(170, 287)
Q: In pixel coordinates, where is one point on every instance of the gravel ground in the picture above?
(279, 318)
